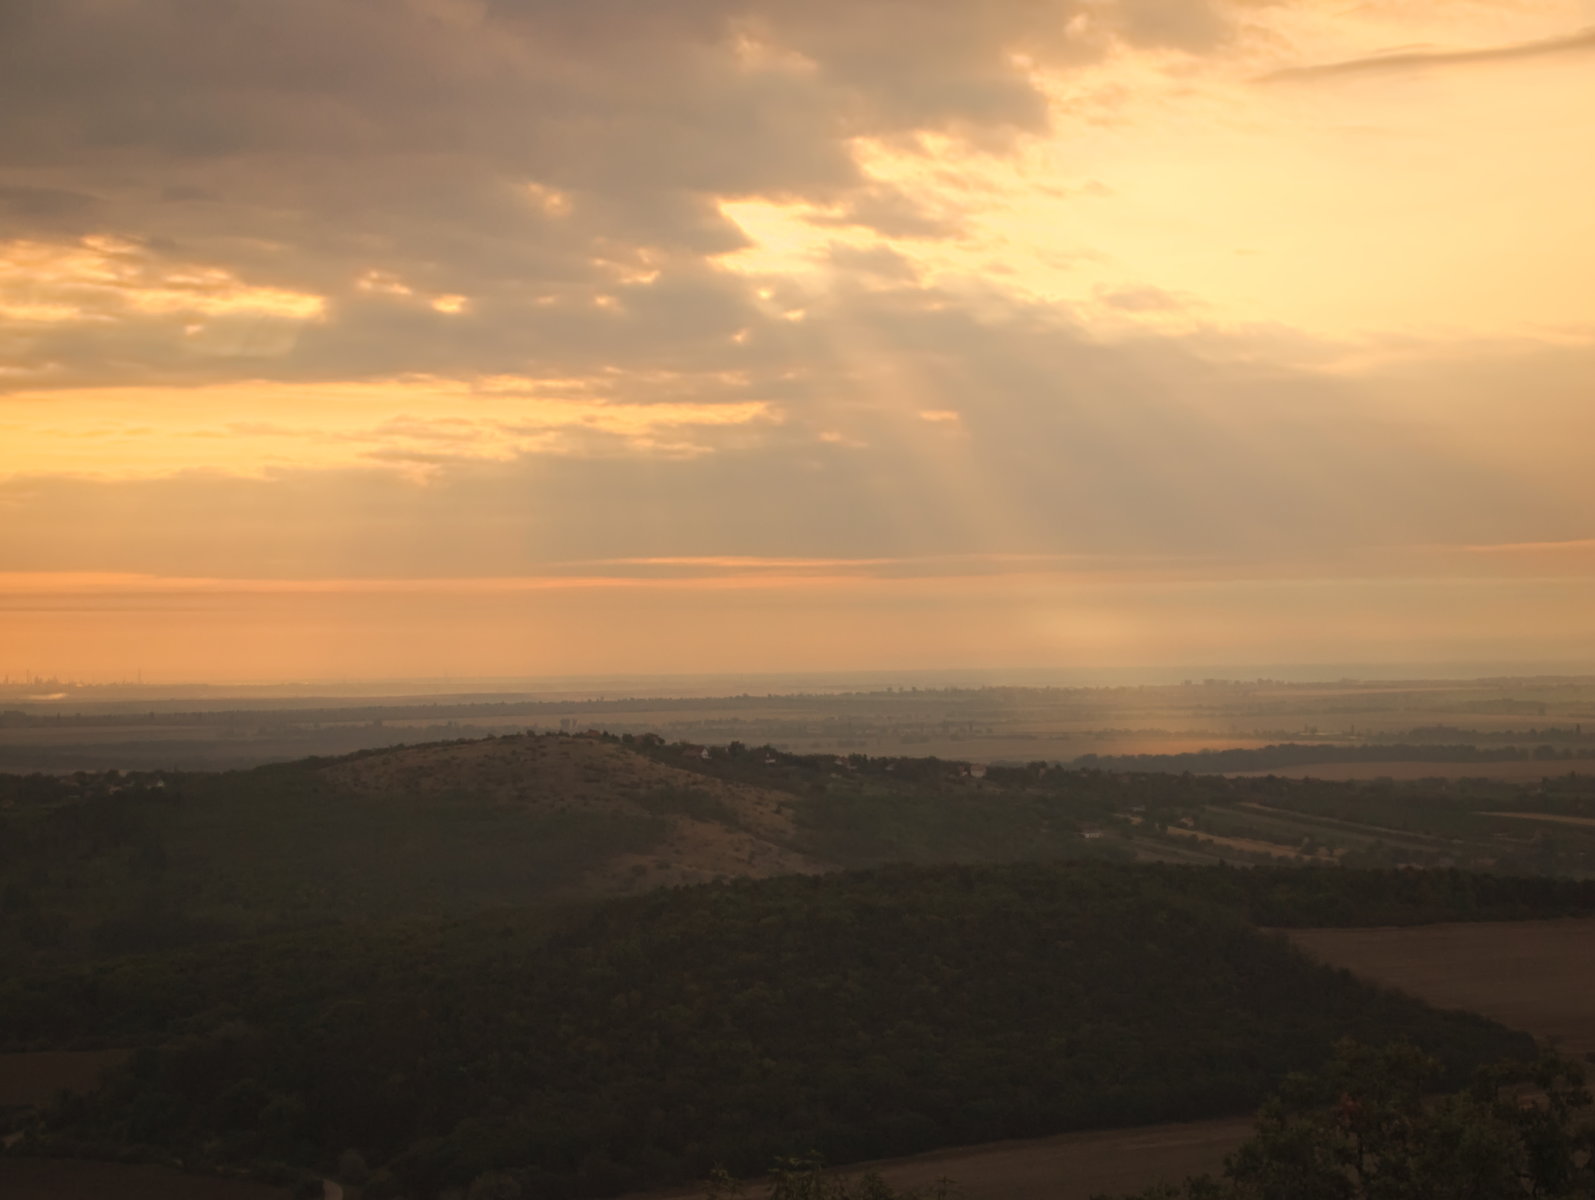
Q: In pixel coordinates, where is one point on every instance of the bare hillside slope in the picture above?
(706, 828)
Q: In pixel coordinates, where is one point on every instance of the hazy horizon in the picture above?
(818, 682)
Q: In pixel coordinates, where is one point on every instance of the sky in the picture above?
(404, 338)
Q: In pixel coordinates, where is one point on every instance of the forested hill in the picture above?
(106, 864)
(641, 1041)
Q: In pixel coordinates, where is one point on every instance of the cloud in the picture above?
(414, 423)
(1063, 445)
(524, 158)
(1580, 42)
(1143, 299)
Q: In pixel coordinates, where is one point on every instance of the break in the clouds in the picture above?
(331, 294)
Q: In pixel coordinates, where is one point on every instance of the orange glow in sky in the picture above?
(779, 336)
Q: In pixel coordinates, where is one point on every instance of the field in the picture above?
(36, 1078)
(1533, 975)
(1077, 1166)
(1553, 818)
(1071, 1166)
(76, 1179)
(1523, 771)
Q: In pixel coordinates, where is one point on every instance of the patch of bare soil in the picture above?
(76, 1179)
(37, 1077)
(1538, 976)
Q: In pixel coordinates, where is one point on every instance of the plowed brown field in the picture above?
(1533, 975)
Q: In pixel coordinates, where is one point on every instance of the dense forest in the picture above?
(642, 1041)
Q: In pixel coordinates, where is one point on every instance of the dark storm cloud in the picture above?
(1581, 42)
